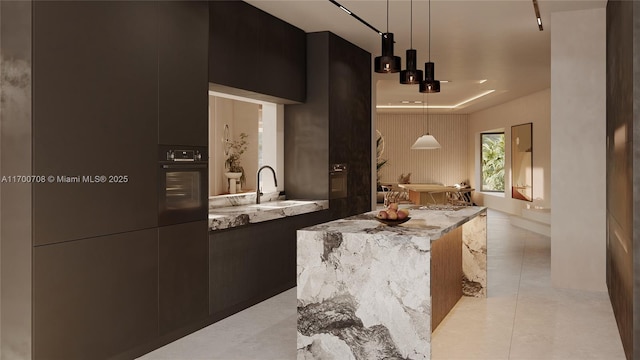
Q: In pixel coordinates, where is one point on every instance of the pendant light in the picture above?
(411, 75)
(426, 141)
(387, 63)
(429, 84)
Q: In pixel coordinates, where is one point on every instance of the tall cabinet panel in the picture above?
(94, 118)
(183, 43)
(335, 120)
(350, 123)
(623, 174)
(95, 298)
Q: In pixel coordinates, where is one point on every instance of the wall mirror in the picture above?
(522, 162)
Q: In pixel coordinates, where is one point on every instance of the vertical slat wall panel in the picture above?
(447, 165)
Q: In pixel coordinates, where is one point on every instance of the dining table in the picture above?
(426, 194)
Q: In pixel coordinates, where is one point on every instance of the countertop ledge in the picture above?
(233, 216)
(426, 221)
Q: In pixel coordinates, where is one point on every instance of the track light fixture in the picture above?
(387, 63)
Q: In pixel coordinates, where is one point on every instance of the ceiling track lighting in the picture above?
(411, 75)
(356, 16)
(538, 18)
(429, 84)
(387, 63)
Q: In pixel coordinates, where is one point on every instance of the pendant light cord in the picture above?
(426, 105)
(430, 31)
(388, 16)
(411, 27)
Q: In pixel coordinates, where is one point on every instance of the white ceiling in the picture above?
(471, 40)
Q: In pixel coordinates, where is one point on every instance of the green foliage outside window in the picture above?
(493, 162)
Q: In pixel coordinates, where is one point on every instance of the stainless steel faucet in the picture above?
(258, 191)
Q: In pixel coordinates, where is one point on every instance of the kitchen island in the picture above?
(370, 291)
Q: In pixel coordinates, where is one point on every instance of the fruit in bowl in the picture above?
(393, 213)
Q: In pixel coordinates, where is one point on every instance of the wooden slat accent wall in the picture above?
(447, 165)
(446, 275)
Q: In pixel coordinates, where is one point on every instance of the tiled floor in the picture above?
(522, 318)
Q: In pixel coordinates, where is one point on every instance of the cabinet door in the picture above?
(94, 114)
(350, 119)
(183, 35)
(95, 298)
(254, 262)
(254, 51)
(183, 276)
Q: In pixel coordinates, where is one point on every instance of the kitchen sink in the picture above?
(279, 204)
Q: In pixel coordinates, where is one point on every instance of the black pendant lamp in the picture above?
(387, 63)
(429, 84)
(411, 75)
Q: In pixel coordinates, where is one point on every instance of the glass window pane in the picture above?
(492, 162)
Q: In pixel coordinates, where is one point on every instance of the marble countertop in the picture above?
(233, 216)
(431, 221)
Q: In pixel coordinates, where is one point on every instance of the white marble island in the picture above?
(368, 291)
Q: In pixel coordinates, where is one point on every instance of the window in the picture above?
(492, 161)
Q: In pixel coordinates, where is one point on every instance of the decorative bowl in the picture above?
(393, 222)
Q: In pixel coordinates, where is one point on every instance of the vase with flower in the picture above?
(233, 167)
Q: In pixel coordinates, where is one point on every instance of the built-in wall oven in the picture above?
(182, 184)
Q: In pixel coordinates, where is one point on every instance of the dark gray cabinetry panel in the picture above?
(623, 207)
(254, 262)
(94, 113)
(350, 122)
(306, 129)
(255, 51)
(333, 126)
(95, 298)
(183, 276)
(183, 48)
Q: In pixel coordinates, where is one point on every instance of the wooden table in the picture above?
(424, 194)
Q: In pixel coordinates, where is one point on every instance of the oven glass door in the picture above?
(182, 194)
(182, 190)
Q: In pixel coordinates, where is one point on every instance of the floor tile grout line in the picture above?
(515, 310)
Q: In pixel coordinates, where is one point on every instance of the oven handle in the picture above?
(185, 166)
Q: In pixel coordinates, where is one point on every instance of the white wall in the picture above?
(578, 149)
(447, 165)
(534, 108)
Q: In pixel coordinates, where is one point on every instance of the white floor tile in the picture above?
(523, 317)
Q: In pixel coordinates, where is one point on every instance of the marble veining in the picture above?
(430, 223)
(245, 198)
(233, 216)
(364, 288)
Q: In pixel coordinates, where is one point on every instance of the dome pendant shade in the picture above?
(426, 142)
(411, 75)
(387, 63)
(429, 85)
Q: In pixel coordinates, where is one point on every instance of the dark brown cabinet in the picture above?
(251, 263)
(333, 126)
(183, 275)
(255, 51)
(95, 114)
(95, 298)
(183, 48)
